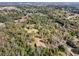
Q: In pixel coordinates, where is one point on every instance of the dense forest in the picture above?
(39, 31)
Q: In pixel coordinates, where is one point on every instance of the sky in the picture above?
(39, 0)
